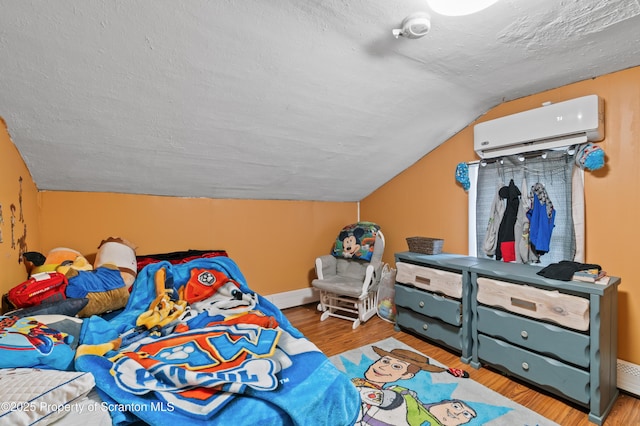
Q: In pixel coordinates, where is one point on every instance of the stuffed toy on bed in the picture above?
(105, 284)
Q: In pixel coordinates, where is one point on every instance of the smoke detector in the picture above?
(415, 25)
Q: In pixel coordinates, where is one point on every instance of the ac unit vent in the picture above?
(551, 126)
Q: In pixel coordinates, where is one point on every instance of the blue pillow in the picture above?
(26, 342)
(68, 307)
(356, 241)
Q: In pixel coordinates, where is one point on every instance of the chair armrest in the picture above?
(325, 266)
(369, 280)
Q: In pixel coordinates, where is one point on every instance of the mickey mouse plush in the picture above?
(351, 242)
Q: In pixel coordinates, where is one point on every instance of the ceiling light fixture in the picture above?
(458, 7)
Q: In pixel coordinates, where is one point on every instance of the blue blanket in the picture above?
(232, 358)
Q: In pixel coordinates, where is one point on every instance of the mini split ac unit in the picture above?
(551, 126)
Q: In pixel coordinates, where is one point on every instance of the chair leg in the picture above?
(325, 315)
(324, 300)
(356, 310)
(367, 307)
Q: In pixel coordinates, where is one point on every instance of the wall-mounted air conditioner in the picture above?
(551, 126)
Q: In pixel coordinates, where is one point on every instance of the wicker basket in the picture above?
(425, 245)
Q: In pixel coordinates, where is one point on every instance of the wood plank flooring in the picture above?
(335, 336)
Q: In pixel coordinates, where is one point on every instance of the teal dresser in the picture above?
(560, 336)
(433, 299)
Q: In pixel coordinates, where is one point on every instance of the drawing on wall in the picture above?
(22, 244)
(1, 223)
(13, 225)
(17, 242)
(20, 200)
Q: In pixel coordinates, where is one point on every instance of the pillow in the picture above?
(67, 307)
(44, 395)
(26, 342)
(356, 241)
(65, 324)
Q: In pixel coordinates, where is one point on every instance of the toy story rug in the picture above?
(401, 386)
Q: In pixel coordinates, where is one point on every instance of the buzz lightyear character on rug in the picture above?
(395, 405)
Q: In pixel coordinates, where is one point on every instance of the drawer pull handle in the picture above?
(425, 326)
(525, 366)
(421, 304)
(525, 304)
(423, 280)
(524, 334)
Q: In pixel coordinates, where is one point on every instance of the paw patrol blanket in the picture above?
(196, 345)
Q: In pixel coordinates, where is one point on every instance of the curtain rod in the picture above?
(570, 150)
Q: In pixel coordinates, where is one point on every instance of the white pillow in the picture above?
(30, 395)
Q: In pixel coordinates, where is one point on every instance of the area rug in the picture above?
(401, 386)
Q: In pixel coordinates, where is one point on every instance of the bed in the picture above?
(195, 345)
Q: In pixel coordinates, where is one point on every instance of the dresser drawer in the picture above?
(540, 370)
(434, 280)
(548, 339)
(430, 328)
(564, 309)
(429, 304)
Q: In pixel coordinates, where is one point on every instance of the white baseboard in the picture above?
(289, 299)
(629, 377)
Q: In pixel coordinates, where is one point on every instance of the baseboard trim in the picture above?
(290, 299)
(629, 377)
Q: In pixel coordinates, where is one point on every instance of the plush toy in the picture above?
(462, 175)
(120, 252)
(103, 286)
(59, 259)
(589, 156)
(80, 263)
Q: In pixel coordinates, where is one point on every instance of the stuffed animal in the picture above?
(589, 156)
(105, 284)
(120, 252)
(59, 259)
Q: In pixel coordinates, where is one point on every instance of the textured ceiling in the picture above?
(281, 99)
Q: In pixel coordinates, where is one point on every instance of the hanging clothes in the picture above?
(557, 172)
(524, 254)
(505, 249)
(542, 217)
(495, 217)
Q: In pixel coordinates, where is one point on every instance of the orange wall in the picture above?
(426, 200)
(273, 242)
(23, 235)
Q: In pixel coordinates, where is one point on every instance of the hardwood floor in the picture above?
(335, 336)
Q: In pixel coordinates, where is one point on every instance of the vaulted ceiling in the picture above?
(281, 99)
